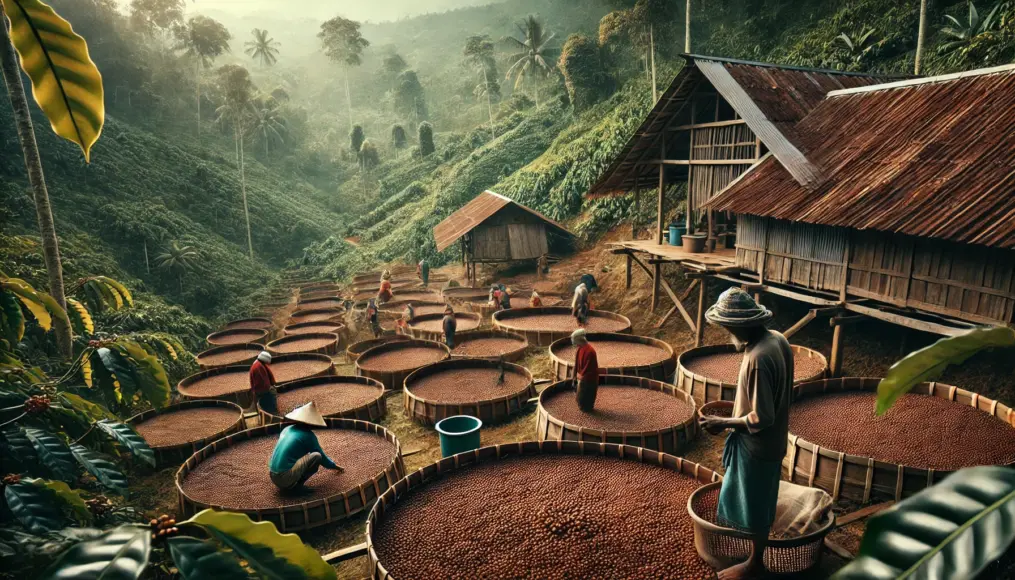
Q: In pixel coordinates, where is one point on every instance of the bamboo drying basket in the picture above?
(502, 321)
(482, 307)
(398, 306)
(466, 321)
(513, 355)
(460, 294)
(309, 297)
(429, 412)
(303, 356)
(672, 440)
(242, 397)
(257, 323)
(356, 349)
(705, 389)
(394, 379)
(323, 303)
(723, 547)
(436, 471)
(246, 354)
(237, 336)
(563, 368)
(371, 411)
(311, 327)
(860, 478)
(176, 454)
(309, 514)
(317, 315)
(330, 348)
(319, 287)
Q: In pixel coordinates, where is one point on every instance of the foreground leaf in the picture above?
(65, 82)
(951, 530)
(94, 411)
(80, 317)
(35, 506)
(70, 497)
(202, 560)
(12, 320)
(928, 363)
(265, 550)
(129, 439)
(31, 300)
(120, 554)
(103, 469)
(53, 454)
(149, 374)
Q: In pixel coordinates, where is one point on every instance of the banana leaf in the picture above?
(120, 554)
(203, 560)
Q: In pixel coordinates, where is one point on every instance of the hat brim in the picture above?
(759, 319)
(307, 415)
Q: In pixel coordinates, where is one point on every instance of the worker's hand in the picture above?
(336, 469)
(713, 425)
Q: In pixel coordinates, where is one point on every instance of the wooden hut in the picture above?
(494, 229)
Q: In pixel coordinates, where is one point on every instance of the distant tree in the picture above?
(178, 260)
(637, 26)
(584, 76)
(921, 37)
(280, 95)
(237, 88)
(203, 39)
(156, 16)
(266, 124)
(856, 48)
(532, 61)
(356, 139)
(479, 55)
(368, 156)
(399, 140)
(409, 96)
(343, 43)
(962, 37)
(392, 66)
(425, 137)
(263, 47)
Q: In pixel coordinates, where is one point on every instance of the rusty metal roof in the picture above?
(931, 157)
(770, 98)
(474, 213)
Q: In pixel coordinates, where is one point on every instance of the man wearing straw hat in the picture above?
(586, 371)
(759, 426)
(262, 383)
(298, 454)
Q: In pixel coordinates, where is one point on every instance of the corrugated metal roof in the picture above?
(930, 157)
(477, 211)
(779, 96)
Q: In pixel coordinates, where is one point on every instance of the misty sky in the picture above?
(373, 10)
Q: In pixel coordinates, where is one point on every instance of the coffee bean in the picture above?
(401, 359)
(725, 366)
(486, 346)
(333, 398)
(462, 386)
(620, 408)
(186, 425)
(616, 354)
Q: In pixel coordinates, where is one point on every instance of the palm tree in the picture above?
(343, 43)
(237, 88)
(921, 36)
(263, 47)
(178, 260)
(203, 39)
(687, 28)
(266, 124)
(533, 57)
(479, 53)
(963, 35)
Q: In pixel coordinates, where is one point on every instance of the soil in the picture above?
(918, 431)
(561, 323)
(621, 408)
(186, 425)
(301, 344)
(236, 336)
(544, 517)
(437, 324)
(236, 477)
(615, 353)
(332, 327)
(401, 359)
(333, 398)
(459, 386)
(220, 384)
(231, 357)
(725, 366)
(486, 347)
(291, 370)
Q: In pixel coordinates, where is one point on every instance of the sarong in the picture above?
(750, 488)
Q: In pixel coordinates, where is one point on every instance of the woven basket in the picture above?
(176, 454)
(395, 379)
(237, 336)
(502, 320)
(489, 411)
(370, 411)
(706, 389)
(512, 355)
(317, 315)
(356, 349)
(242, 396)
(331, 345)
(723, 547)
(466, 321)
(257, 323)
(322, 303)
(239, 354)
(312, 327)
(563, 368)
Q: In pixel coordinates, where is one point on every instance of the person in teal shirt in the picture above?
(298, 454)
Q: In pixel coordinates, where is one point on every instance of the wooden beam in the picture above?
(669, 291)
(665, 317)
(838, 550)
(862, 513)
(628, 271)
(685, 162)
(662, 190)
(656, 277)
(906, 321)
(690, 288)
(708, 124)
(807, 318)
(357, 551)
(699, 328)
(835, 366)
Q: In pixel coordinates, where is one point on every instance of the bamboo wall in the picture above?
(510, 235)
(732, 143)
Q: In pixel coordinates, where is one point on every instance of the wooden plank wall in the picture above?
(528, 241)
(792, 253)
(491, 243)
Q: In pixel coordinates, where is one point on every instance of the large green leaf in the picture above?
(120, 554)
(100, 360)
(129, 439)
(928, 363)
(150, 375)
(202, 560)
(21, 450)
(119, 288)
(70, 497)
(35, 506)
(951, 530)
(30, 299)
(53, 454)
(65, 82)
(119, 371)
(94, 411)
(103, 469)
(13, 321)
(80, 317)
(268, 552)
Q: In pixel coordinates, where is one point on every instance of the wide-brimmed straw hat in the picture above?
(385, 275)
(736, 308)
(308, 415)
(264, 357)
(579, 336)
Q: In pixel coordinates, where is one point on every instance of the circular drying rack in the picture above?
(312, 327)
(237, 336)
(329, 343)
(491, 410)
(329, 303)
(256, 323)
(502, 320)
(356, 349)
(482, 306)
(394, 379)
(372, 410)
(174, 454)
(563, 367)
(233, 354)
(317, 315)
(516, 353)
(466, 321)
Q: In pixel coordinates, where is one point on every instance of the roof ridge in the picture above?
(923, 81)
(692, 57)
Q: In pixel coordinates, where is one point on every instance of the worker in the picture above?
(494, 299)
(543, 266)
(756, 444)
(580, 305)
(535, 301)
(384, 294)
(423, 271)
(262, 384)
(450, 325)
(505, 298)
(298, 454)
(372, 318)
(590, 282)
(586, 371)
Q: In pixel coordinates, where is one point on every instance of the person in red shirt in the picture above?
(586, 371)
(384, 293)
(262, 383)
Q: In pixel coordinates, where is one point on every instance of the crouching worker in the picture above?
(298, 454)
(760, 425)
(586, 371)
(262, 384)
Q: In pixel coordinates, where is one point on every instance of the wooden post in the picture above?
(634, 217)
(835, 367)
(628, 255)
(662, 189)
(690, 168)
(658, 272)
(699, 324)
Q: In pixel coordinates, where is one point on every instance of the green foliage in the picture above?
(425, 138)
(586, 80)
(203, 38)
(101, 468)
(263, 48)
(199, 559)
(53, 454)
(409, 98)
(972, 40)
(119, 554)
(399, 140)
(35, 506)
(356, 138)
(368, 155)
(342, 41)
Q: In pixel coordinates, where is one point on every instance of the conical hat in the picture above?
(308, 415)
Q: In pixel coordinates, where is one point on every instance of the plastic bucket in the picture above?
(458, 434)
(676, 233)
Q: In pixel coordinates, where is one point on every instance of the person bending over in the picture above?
(450, 325)
(298, 454)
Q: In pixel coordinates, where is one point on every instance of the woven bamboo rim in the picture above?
(672, 439)
(317, 315)
(305, 356)
(237, 336)
(252, 349)
(435, 471)
(370, 411)
(859, 477)
(319, 287)
(173, 454)
(306, 297)
(482, 306)
(241, 397)
(706, 389)
(513, 355)
(309, 514)
(260, 322)
(460, 294)
(330, 348)
(356, 349)
(394, 379)
(323, 303)
(375, 286)
(502, 321)
(493, 410)
(317, 326)
(397, 306)
(563, 368)
(463, 319)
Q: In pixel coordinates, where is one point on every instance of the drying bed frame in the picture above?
(461, 294)
(370, 411)
(429, 412)
(256, 323)
(317, 315)
(323, 303)
(305, 356)
(463, 320)
(356, 349)
(308, 297)
(331, 347)
(317, 326)
(437, 470)
(245, 354)
(309, 514)
(242, 397)
(237, 336)
(706, 389)
(176, 454)
(395, 379)
(482, 307)
(513, 355)
(502, 321)
(861, 478)
(671, 440)
(397, 306)
(563, 368)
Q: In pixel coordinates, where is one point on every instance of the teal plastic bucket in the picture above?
(675, 234)
(458, 434)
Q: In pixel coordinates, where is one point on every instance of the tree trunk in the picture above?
(687, 28)
(652, 55)
(535, 90)
(921, 37)
(348, 96)
(243, 190)
(147, 267)
(33, 165)
(197, 82)
(489, 100)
